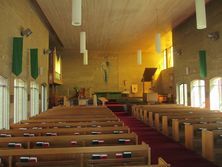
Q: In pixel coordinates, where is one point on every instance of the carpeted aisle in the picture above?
(161, 146)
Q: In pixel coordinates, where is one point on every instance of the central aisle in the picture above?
(161, 146)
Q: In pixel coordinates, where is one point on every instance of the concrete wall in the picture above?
(187, 42)
(122, 67)
(15, 14)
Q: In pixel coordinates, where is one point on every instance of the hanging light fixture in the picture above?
(158, 42)
(85, 57)
(76, 12)
(139, 57)
(200, 14)
(82, 42)
(158, 36)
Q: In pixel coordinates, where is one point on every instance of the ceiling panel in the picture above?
(113, 25)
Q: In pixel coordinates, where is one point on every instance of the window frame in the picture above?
(44, 97)
(20, 100)
(218, 87)
(34, 98)
(4, 114)
(199, 87)
(184, 95)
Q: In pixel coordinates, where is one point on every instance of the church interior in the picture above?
(94, 83)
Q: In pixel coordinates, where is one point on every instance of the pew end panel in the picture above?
(162, 163)
(188, 136)
(175, 130)
(208, 145)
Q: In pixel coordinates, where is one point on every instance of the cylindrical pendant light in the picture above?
(158, 43)
(85, 57)
(82, 42)
(76, 12)
(139, 57)
(200, 14)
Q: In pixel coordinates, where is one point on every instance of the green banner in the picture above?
(34, 63)
(203, 63)
(17, 55)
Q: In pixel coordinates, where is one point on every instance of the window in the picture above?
(20, 100)
(4, 103)
(216, 94)
(170, 62)
(182, 94)
(168, 58)
(34, 98)
(164, 59)
(44, 97)
(198, 93)
(58, 62)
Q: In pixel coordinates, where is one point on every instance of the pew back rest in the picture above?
(67, 125)
(136, 154)
(71, 141)
(67, 131)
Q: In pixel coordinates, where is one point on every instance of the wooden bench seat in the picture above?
(71, 141)
(65, 115)
(83, 156)
(66, 131)
(193, 133)
(137, 108)
(212, 145)
(71, 120)
(167, 120)
(161, 163)
(153, 117)
(47, 163)
(158, 116)
(142, 113)
(161, 119)
(69, 111)
(178, 124)
(67, 125)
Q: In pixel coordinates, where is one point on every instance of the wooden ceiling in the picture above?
(115, 25)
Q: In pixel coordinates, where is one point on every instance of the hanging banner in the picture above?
(34, 63)
(17, 55)
(203, 63)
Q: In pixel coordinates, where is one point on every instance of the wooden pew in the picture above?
(67, 131)
(80, 111)
(186, 117)
(80, 156)
(69, 141)
(67, 125)
(161, 163)
(69, 111)
(70, 120)
(136, 108)
(159, 114)
(193, 133)
(73, 112)
(146, 112)
(141, 110)
(80, 108)
(211, 145)
(179, 121)
(65, 115)
(151, 116)
(79, 159)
